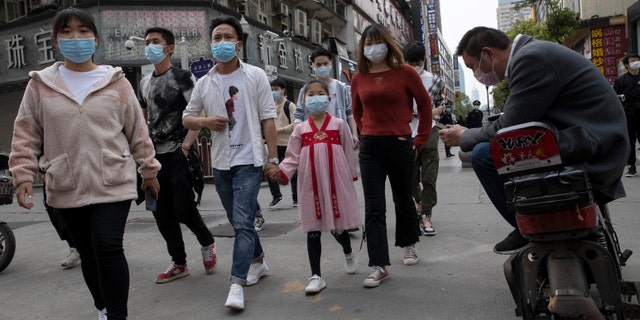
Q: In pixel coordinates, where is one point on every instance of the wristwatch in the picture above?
(274, 161)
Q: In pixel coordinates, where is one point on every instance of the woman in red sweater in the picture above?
(382, 93)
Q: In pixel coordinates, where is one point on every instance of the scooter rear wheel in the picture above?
(7, 245)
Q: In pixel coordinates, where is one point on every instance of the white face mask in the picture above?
(419, 69)
(376, 53)
(634, 65)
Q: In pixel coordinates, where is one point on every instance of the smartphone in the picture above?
(150, 201)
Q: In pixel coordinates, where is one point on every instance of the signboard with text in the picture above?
(608, 46)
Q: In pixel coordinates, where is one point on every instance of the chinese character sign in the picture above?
(42, 39)
(608, 46)
(15, 52)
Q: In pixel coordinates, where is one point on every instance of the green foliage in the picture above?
(560, 23)
(529, 27)
(462, 107)
(499, 93)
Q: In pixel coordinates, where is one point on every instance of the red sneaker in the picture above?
(209, 258)
(174, 271)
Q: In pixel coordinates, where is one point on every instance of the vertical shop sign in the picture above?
(608, 46)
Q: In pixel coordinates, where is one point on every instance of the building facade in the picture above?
(508, 12)
(427, 28)
(279, 37)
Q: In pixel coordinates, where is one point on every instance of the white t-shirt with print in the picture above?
(240, 148)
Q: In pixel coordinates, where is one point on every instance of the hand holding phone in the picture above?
(150, 201)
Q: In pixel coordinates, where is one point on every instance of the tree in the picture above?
(463, 106)
(560, 23)
(529, 27)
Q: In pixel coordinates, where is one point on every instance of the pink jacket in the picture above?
(90, 149)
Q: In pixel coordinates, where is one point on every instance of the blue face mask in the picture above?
(323, 72)
(155, 53)
(276, 95)
(223, 51)
(77, 50)
(317, 104)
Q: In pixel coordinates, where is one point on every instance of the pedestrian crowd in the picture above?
(82, 125)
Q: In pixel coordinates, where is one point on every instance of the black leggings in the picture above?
(314, 247)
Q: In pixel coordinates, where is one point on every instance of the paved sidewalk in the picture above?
(458, 276)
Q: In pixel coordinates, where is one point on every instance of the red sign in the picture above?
(608, 46)
(525, 148)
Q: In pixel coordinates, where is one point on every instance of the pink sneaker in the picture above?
(377, 275)
(174, 271)
(209, 258)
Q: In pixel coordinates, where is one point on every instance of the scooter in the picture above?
(571, 268)
(7, 239)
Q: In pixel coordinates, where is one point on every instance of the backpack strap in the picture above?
(286, 110)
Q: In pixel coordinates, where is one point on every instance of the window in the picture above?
(14, 9)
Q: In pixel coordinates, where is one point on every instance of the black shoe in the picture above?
(449, 155)
(275, 202)
(511, 244)
(631, 172)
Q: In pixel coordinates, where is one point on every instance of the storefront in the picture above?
(29, 47)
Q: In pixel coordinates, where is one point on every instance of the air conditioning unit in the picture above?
(316, 32)
(37, 4)
(300, 23)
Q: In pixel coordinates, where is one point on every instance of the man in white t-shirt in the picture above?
(237, 102)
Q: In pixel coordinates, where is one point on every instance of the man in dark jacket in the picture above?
(553, 84)
(447, 119)
(627, 86)
(474, 117)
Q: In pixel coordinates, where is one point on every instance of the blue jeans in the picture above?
(98, 232)
(382, 156)
(238, 190)
(493, 184)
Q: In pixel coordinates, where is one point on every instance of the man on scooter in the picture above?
(550, 83)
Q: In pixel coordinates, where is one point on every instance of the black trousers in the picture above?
(176, 204)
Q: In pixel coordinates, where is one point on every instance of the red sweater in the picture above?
(382, 103)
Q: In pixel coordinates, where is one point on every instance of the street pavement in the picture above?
(458, 276)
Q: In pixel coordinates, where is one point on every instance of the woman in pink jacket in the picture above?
(84, 124)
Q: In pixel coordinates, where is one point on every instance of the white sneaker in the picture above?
(72, 260)
(256, 271)
(316, 284)
(410, 256)
(102, 314)
(235, 299)
(350, 263)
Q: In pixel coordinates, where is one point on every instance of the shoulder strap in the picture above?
(286, 110)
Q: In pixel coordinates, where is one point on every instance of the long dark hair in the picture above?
(378, 31)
